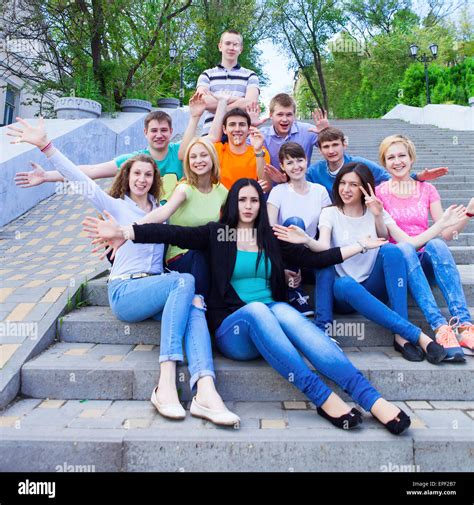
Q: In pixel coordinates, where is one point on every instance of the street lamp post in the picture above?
(425, 59)
(173, 51)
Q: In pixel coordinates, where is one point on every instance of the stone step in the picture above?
(98, 325)
(96, 293)
(101, 372)
(126, 436)
(463, 255)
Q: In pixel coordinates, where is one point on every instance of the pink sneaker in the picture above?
(446, 337)
(466, 335)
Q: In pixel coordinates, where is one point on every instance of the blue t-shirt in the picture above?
(319, 172)
(251, 285)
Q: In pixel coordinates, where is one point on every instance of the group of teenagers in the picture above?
(215, 234)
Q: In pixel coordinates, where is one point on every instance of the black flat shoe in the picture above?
(398, 427)
(435, 353)
(409, 351)
(345, 422)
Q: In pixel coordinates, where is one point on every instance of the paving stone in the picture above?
(108, 349)
(273, 424)
(8, 421)
(416, 405)
(295, 405)
(464, 405)
(307, 420)
(20, 407)
(51, 404)
(259, 410)
(133, 423)
(447, 420)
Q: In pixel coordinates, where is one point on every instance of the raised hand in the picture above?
(35, 135)
(256, 138)
(33, 178)
(374, 205)
(197, 104)
(253, 110)
(265, 185)
(291, 233)
(104, 232)
(320, 118)
(276, 176)
(452, 215)
(430, 174)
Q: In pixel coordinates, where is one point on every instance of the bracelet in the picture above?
(46, 147)
(468, 214)
(364, 249)
(260, 154)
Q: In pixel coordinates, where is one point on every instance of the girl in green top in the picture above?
(196, 201)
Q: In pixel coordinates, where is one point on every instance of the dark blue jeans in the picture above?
(194, 263)
(387, 281)
(278, 332)
(322, 279)
(435, 265)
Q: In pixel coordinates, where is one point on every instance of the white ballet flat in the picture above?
(171, 411)
(221, 417)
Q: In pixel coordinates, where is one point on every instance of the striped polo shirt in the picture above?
(217, 79)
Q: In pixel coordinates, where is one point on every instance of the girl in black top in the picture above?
(247, 307)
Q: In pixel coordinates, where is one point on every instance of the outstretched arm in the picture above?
(197, 106)
(37, 136)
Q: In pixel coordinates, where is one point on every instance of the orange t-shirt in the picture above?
(236, 166)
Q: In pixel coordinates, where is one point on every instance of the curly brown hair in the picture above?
(121, 186)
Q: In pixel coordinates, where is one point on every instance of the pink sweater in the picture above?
(411, 214)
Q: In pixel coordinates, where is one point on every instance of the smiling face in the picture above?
(349, 189)
(282, 119)
(249, 205)
(141, 178)
(230, 46)
(295, 168)
(333, 151)
(200, 161)
(237, 130)
(398, 161)
(158, 134)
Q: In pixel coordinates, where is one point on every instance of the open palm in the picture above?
(32, 178)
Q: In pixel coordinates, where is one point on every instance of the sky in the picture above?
(276, 68)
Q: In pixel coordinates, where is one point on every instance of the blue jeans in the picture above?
(278, 332)
(194, 263)
(387, 281)
(435, 264)
(322, 279)
(167, 298)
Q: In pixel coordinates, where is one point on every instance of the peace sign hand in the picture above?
(374, 205)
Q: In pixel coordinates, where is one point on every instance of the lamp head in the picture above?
(413, 50)
(173, 52)
(434, 50)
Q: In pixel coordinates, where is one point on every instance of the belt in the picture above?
(175, 258)
(129, 276)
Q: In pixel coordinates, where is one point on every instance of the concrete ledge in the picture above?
(453, 117)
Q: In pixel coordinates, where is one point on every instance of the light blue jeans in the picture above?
(167, 298)
(435, 265)
(278, 332)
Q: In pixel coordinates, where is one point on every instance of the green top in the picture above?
(198, 209)
(251, 286)
(171, 168)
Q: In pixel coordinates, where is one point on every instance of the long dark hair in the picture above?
(266, 241)
(365, 175)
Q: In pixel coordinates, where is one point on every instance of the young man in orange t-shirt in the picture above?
(237, 158)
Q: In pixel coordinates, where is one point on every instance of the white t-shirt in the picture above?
(307, 207)
(346, 230)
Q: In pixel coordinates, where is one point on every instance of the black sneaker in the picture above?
(299, 300)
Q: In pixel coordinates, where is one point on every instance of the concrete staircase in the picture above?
(85, 400)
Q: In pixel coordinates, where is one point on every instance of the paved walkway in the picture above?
(45, 256)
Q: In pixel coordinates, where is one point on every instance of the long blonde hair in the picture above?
(121, 185)
(191, 177)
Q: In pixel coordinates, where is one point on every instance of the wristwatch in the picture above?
(364, 249)
(260, 154)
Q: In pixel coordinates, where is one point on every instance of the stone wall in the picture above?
(84, 141)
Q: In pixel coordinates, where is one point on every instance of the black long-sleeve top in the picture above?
(216, 240)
